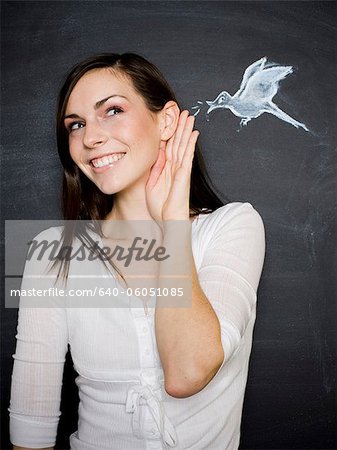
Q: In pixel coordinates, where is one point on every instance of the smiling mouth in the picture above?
(106, 160)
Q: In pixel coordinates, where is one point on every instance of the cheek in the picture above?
(146, 142)
(74, 150)
(72, 154)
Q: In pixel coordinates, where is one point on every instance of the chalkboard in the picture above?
(287, 173)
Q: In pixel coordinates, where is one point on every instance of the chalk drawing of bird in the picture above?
(260, 83)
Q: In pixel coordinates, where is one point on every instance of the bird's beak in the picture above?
(211, 105)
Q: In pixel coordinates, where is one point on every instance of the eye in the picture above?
(74, 126)
(113, 111)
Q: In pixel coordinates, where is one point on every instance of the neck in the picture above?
(130, 206)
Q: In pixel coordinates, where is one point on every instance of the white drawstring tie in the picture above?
(167, 430)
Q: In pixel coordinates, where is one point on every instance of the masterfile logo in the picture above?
(109, 264)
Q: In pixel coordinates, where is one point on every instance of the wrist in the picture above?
(176, 218)
(176, 234)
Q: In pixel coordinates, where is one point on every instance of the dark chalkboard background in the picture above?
(287, 174)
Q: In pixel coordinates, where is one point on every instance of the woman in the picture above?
(149, 378)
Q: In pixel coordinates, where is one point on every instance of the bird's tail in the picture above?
(271, 108)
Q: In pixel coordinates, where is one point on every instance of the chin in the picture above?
(108, 190)
(114, 186)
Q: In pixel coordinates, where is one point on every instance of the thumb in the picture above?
(157, 167)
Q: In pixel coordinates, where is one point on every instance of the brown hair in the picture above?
(81, 199)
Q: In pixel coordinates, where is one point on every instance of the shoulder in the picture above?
(232, 236)
(42, 246)
(39, 253)
(49, 234)
(237, 226)
(241, 214)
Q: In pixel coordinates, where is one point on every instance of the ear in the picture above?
(169, 120)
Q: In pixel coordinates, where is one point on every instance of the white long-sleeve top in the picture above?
(123, 403)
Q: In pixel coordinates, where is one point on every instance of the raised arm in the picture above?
(194, 343)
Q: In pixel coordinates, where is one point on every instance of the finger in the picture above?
(178, 133)
(186, 162)
(185, 137)
(169, 146)
(181, 182)
(157, 167)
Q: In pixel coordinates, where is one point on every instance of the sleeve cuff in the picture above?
(39, 432)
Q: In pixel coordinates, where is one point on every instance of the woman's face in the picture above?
(107, 120)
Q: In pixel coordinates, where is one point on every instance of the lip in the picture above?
(104, 168)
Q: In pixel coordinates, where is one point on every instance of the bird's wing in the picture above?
(264, 85)
(253, 68)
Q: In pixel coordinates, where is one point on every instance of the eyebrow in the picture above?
(97, 105)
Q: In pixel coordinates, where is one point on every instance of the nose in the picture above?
(94, 135)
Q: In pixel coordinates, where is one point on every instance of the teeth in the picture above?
(106, 160)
